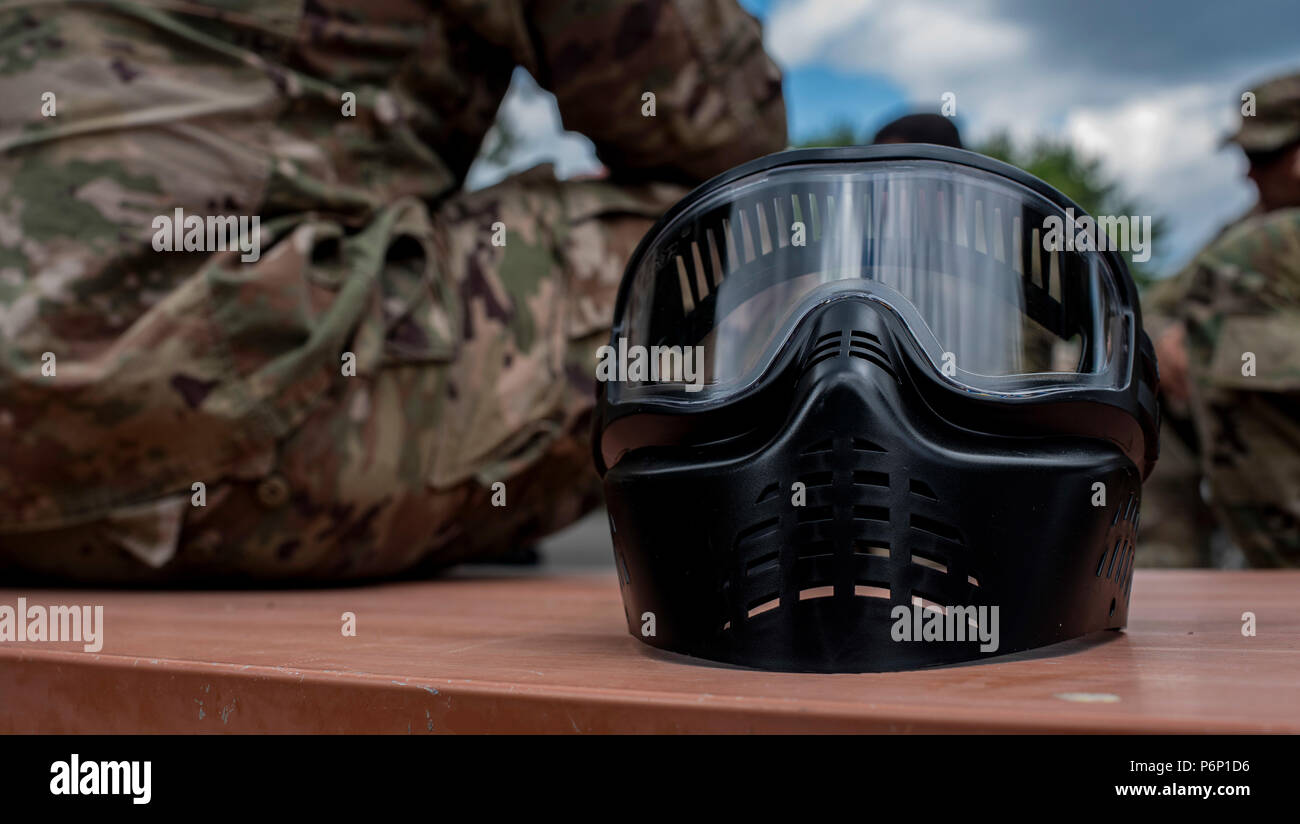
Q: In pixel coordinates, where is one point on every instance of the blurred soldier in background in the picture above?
(923, 127)
(405, 374)
(1227, 332)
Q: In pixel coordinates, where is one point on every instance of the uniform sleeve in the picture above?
(717, 95)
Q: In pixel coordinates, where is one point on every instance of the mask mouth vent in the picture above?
(846, 527)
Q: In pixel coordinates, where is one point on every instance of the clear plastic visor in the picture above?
(1004, 291)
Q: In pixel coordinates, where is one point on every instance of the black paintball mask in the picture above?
(862, 410)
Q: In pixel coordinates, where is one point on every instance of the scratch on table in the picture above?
(1089, 697)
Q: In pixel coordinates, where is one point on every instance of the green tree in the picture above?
(1080, 178)
(840, 133)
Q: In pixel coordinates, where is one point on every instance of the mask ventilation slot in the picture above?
(864, 538)
(1120, 547)
(878, 549)
(762, 563)
(824, 348)
(863, 345)
(923, 489)
(921, 560)
(927, 603)
(816, 592)
(816, 479)
(937, 528)
(765, 604)
(864, 445)
(867, 346)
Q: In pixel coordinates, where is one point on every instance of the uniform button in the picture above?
(273, 491)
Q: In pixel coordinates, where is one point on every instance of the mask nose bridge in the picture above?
(851, 336)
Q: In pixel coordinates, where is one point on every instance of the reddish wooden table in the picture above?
(549, 653)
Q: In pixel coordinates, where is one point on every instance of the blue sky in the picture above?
(816, 95)
(1148, 87)
(820, 97)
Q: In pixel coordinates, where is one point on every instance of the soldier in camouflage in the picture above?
(402, 355)
(1242, 319)
(1227, 333)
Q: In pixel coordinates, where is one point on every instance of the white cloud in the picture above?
(1166, 148)
(933, 41)
(1095, 81)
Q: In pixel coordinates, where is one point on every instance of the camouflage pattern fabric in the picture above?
(474, 362)
(1242, 314)
(1276, 121)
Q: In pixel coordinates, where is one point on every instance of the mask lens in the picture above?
(1002, 289)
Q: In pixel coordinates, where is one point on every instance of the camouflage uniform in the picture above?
(474, 363)
(1244, 297)
(1177, 525)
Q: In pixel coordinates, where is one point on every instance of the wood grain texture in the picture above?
(550, 653)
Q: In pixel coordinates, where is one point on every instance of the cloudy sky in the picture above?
(1148, 87)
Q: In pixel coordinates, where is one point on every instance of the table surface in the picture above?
(538, 651)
